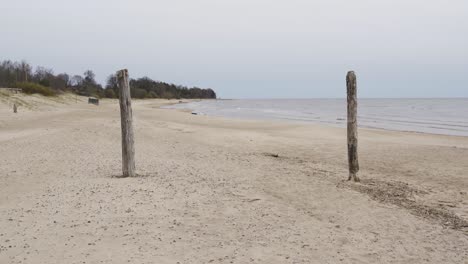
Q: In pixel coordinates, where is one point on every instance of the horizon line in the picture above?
(308, 98)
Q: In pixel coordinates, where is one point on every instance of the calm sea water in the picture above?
(438, 116)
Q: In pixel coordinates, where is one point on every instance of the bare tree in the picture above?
(65, 79)
(43, 75)
(89, 77)
(26, 70)
(76, 80)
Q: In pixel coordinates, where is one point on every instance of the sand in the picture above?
(212, 190)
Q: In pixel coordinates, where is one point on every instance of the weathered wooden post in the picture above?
(128, 150)
(15, 109)
(351, 88)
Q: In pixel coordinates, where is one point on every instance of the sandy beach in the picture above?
(216, 190)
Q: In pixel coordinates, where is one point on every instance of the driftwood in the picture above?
(128, 149)
(352, 127)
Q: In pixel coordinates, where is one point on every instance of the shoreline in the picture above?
(286, 121)
(219, 188)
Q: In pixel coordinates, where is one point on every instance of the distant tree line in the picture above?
(148, 88)
(43, 80)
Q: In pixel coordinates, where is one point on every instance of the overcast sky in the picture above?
(251, 48)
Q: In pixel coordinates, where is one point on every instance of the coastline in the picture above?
(291, 121)
(215, 188)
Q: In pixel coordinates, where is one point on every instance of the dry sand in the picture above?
(211, 190)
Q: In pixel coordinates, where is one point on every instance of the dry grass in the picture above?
(10, 98)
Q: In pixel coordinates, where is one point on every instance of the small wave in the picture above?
(448, 116)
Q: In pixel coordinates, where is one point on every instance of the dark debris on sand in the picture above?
(403, 195)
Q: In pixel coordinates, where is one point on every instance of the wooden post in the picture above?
(128, 150)
(352, 127)
(15, 109)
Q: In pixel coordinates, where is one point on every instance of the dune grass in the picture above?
(34, 88)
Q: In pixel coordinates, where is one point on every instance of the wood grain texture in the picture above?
(126, 117)
(351, 87)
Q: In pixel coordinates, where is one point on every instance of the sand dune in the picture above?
(211, 190)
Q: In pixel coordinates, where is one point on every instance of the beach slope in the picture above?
(214, 190)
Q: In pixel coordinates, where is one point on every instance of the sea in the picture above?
(435, 116)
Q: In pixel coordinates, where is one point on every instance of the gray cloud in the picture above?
(252, 48)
